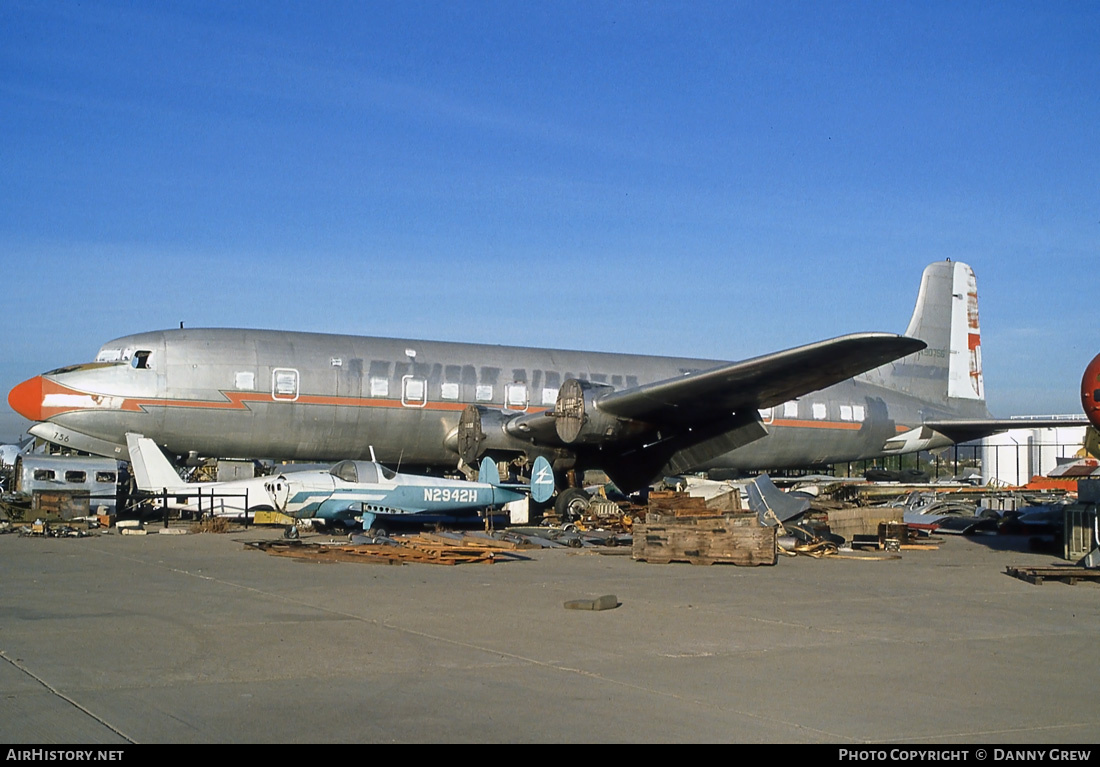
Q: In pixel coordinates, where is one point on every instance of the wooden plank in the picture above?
(1069, 574)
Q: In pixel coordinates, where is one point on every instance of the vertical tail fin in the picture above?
(945, 318)
(152, 471)
(542, 478)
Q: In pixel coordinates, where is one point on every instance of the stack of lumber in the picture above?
(684, 505)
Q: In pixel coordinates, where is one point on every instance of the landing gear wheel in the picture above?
(571, 503)
(290, 532)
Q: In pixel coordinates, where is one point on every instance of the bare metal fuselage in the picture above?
(304, 396)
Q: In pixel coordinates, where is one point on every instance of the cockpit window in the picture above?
(345, 470)
(140, 360)
(84, 366)
(363, 472)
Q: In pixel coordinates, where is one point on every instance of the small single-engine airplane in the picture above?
(350, 491)
(239, 393)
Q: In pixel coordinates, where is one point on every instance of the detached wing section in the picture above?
(673, 425)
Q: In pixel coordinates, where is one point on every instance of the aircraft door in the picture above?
(347, 375)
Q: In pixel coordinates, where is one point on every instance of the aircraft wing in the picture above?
(679, 405)
(761, 382)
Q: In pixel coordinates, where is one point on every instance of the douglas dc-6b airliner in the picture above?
(426, 404)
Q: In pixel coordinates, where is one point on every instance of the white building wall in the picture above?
(1014, 457)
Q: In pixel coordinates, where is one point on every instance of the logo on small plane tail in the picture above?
(542, 480)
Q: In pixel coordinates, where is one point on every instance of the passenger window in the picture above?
(43, 474)
(284, 384)
(414, 391)
(484, 393)
(515, 396)
(76, 477)
(379, 387)
(105, 476)
(819, 411)
(449, 391)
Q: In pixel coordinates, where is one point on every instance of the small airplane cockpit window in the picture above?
(345, 470)
(368, 472)
(387, 473)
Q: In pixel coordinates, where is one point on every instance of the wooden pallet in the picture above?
(736, 539)
(1070, 574)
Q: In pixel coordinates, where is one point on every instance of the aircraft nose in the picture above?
(26, 399)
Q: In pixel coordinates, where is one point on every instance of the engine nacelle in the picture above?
(482, 430)
(579, 420)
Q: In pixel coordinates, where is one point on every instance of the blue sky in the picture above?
(693, 178)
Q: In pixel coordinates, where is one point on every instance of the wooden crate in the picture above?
(737, 539)
(682, 504)
(60, 504)
(848, 523)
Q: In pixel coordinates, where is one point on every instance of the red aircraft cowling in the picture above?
(1090, 392)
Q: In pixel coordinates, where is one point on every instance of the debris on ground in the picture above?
(1069, 574)
(423, 548)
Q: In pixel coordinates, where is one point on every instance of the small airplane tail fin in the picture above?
(542, 478)
(945, 318)
(489, 474)
(152, 471)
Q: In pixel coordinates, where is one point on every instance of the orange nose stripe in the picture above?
(26, 399)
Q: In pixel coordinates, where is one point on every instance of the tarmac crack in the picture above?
(57, 693)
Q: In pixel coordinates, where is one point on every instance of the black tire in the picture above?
(571, 503)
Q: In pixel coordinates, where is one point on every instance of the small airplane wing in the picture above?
(761, 382)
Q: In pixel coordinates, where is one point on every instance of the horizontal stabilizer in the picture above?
(966, 430)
